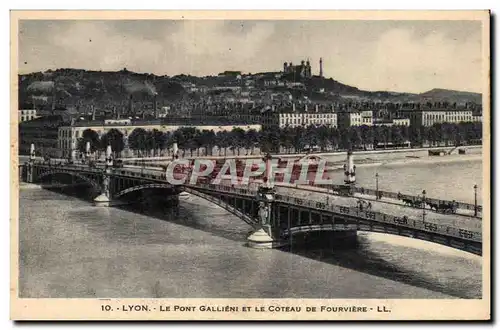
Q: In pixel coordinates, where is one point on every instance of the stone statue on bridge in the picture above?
(264, 213)
(105, 185)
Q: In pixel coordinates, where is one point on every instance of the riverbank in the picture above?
(405, 159)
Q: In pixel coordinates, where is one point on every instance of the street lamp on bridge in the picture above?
(475, 200)
(376, 181)
(267, 177)
(423, 205)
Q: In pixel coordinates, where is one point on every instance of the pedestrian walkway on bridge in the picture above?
(387, 207)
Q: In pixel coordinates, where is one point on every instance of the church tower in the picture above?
(321, 67)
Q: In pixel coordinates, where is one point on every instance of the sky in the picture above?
(401, 56)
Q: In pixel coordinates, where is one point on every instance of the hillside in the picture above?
(81, 88)
(440, 95)
(78, 89)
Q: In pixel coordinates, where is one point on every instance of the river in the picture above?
(71, 249)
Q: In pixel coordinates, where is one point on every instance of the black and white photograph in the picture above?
(232, 158)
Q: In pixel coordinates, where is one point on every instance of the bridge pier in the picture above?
(265, 236)
(104, 199)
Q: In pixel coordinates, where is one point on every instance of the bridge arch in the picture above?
(142, 187)
(219, 202)
(95, 185)
(451, 242)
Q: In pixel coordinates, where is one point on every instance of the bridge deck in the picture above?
(387, 207)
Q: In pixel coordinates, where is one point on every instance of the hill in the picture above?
(78, 89)
(440, 95)
(81, 88)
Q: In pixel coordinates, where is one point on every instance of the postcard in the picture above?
(250, 165)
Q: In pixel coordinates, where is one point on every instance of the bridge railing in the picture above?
(160, 175)
(393, 195)
(385, 218)
(224, 188)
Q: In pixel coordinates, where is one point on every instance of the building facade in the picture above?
(350, 118)
(27, 114)
(430, 117)
(392, 122)
(477, 118)
(43, 132)
(293, 119)
(298, 115)
(69, 135)
(303, 69)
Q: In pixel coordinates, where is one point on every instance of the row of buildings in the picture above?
(348, 117)
(58, 135)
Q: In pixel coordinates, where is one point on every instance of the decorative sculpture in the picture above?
(263, 213)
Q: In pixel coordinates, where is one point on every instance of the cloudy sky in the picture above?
(404, 56)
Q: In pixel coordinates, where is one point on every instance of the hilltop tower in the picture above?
(321, 67)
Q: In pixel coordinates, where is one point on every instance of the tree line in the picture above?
(145, 143)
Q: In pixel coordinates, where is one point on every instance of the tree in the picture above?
(149, 143)
(169, 140)
(91, 136)
(269, 141)
(251, 139)
(238, 139)
(137, 140)
(366, 135)
(287, 138)
(323, 137)
(355, 136)
(334, 137)
(190, 135)
(198, 142)
(298, 138)
(397, 136)
(415, 135)
(207, 140)
(222, 141)
(432, 135)
(114, 138)
(159, 141)
(345, 139)
(184, 137)
(311, 138)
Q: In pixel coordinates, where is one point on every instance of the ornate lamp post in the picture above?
(109, 157)
(29, 165)
(32, 152)
(423, 205)
(376, 182)
(267, 177)
(349, 169)
(87, 153)
(475, 200)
